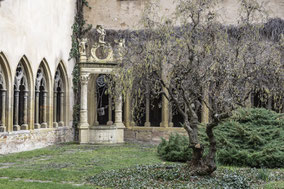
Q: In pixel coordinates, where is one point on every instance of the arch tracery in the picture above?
(41, 92)
(2, 100)
(21, 95)
(58, 98)
(5, 94)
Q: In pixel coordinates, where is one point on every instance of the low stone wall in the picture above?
(150, 134)
(18, 141)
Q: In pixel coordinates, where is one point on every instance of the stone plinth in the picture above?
(151, 135)
(106, 134)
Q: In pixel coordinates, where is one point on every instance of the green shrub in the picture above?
(252, 137)
(175, 149)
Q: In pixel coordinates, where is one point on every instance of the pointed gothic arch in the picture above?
(23, 95)
(60, 96)
(43, 97)
(5, 94)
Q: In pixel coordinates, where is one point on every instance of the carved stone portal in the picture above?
(97, 57)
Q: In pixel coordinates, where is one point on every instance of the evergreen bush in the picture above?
(252, 137)
(175, 149)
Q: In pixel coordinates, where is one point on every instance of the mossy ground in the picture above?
(74, 166)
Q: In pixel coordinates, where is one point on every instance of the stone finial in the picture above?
(120, 48)
(82, 49)
(102, 34)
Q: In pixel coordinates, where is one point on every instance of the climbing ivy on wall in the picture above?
(79, 29)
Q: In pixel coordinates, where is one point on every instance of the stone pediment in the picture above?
(95, 49)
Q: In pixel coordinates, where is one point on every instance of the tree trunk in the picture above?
(199, 163)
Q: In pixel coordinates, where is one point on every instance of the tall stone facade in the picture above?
(126, 14)
(35, 73)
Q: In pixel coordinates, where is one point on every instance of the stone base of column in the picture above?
(83, 134)
(61, 124)
(37, 126)
(44, 125)
(147, 124)
(127, 124)
(119, 125)
(109, 123)
(171, 124)
(162, 124)
(16, 128)
(2, 128)
(55, 124)
(24, 127)
(83, 125)
(120, 135)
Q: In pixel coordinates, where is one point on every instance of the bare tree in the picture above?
(194, 61)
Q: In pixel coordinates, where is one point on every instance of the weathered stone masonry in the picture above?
(25, 140)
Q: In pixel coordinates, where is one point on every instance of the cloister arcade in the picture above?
(41, 100)
(35, 100)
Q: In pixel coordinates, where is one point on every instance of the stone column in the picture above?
(252, 104)
(282, 105)
(165, 110)
(96, 107)
(118, 111)
(110, 122)
(44, 122)
(3, 115)
(204, 114)
(147, 123)
(127, 113)
(37, 125)
(171, 124)
(249, 103)
(269, 103)
(16, 126)
(61, 122)
(205, 109)
(24, 126)
(118, 120)
(55, 124)
(84, 125)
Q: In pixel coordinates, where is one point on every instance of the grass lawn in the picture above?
(72, 166)
(277, 185)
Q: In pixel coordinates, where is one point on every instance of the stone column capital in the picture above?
(84, 78)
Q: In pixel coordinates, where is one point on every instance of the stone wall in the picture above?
(126, 14)
(29, 140)
(37, 31)
(151, 135)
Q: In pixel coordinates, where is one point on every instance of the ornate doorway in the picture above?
(100, 113)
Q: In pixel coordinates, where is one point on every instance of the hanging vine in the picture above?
(79, 29)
